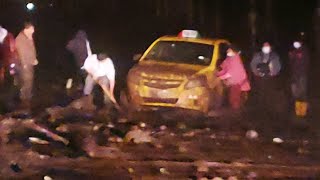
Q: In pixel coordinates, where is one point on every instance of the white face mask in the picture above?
(266, 49)
(230, 54)
(297, 45)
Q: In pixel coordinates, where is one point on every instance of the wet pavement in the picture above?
(67, 137)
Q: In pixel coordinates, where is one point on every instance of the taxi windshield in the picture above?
(181, 52)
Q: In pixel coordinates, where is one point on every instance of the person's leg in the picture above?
(235, 97)
(89, 84)
(26, 85)
(2, 75)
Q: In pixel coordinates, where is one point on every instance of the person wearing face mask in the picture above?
(235, 77)
(299, 65)
(28, 59)
(265, 66)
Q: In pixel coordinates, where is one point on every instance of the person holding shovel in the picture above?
(100, 71)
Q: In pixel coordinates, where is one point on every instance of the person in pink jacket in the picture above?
(235, 77)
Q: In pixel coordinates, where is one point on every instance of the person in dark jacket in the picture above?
(269, 91)
(299, 64)
(78, 47)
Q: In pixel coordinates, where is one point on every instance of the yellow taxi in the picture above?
(179, 72)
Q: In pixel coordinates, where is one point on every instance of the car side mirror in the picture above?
(136, 57)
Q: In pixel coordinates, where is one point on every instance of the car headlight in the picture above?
(200, 81)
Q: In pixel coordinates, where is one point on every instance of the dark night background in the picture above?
(123, 28)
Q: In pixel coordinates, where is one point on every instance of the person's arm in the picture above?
(89, 51)
(275, 65)
(253, 64)
(112, 85)
(112, 74)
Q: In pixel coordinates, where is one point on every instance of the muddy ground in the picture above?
(72, 137)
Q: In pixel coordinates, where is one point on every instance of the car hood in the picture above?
(160, 70)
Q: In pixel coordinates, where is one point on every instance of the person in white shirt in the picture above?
(101, 71)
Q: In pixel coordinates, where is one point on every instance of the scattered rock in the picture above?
(138, 136)
(233, 178)
(163, 127)
(164, 171)
(213, 136)
(202, 166)
(203, 178)
(277, 140)
(303, 151)
(96, 151)
(142, 125)
(182, 149)
(43, 157)
(83, 103)
(189, 134)
(36, 140)
(110, 125)
(252, 175)
(158, 145)
(252, 134)
(15, 167)
(130, 170)
(217, 178)
(181, 126)
(62, 128)
(47, 178)
(122, 120)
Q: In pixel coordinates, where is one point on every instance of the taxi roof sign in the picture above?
(189, 34)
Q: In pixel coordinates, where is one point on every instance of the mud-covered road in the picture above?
(68, 137)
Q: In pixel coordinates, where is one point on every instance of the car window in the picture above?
(181, 52)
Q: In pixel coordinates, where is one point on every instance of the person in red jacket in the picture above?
(235, 77)
(7, 52)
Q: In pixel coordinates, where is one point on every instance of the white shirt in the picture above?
(99, 68)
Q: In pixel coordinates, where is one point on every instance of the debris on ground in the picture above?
(164, 171)
(96, 151)
(217, 178)
(38, 141)
(163, 127)
(142, 124)
(79, 107)
(181, 126)
(202, 166)
(277, 140)
(232, 178)
(47, 178)
(252, 134)
(15, 167)
(138, 136)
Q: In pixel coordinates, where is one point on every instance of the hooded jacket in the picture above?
(299, 62)
(234, 72)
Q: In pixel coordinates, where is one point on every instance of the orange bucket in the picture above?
(301, 108)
